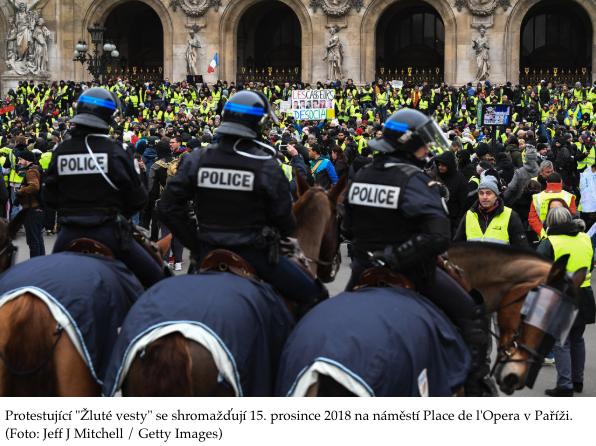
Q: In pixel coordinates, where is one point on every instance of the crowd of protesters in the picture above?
(544, 158)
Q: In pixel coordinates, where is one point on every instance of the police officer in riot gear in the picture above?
(242, 198)
(93, 182)
(394, 209)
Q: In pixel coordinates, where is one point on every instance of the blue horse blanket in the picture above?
(248, 319)
(95, 293)
(392, 341)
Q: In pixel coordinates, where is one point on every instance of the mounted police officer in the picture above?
(242, 198)
(93, 182)
(392, 205)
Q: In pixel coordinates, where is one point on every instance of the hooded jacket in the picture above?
(466, 166)
(457, 185)
(505, 168)
(529, 170)
(514, 152)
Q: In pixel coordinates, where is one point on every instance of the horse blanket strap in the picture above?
(88, 246)
(383, 277)
(227, 261)
(454, 271)
(143, 238)
(290, 249)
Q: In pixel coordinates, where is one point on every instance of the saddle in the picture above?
(90, 246)
(223, 260)
(290, 249)
(385, 277)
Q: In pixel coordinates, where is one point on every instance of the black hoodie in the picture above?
(457, 185)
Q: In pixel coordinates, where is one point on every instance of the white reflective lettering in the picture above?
(375, 195)
(228, 179)
(82, 164)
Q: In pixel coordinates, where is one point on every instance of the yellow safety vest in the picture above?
(497, 229)
(579, 249)
(381, 99)
(543, 199)
(2, 160)
(169, 116)
(287, 170)
(45, 159)
(367, 95)
(586, 162)
(14, 164)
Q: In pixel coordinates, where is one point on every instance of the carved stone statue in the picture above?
(482, 47)
(26, 41)
(334, 56)
(192, 47)
(40, 47)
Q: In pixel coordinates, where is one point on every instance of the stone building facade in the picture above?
(410, 40)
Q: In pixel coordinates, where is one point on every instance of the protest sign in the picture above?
(285, 106)
(313, 105)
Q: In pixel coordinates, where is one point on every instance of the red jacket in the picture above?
(534, 217)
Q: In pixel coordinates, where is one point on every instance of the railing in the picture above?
(533, 76)
(411, 76)
(279, 74)
(137, 74)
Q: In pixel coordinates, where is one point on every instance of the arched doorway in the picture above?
(269, 43)
(410, 43)
(556, 43)
(137, 31)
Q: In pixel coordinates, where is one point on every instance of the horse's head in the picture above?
(8, 232)
(319, 221)
(531, 322)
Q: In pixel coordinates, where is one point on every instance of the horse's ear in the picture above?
(556, 276)
(302, 185)
(15, 223)
(579, 277)
(339, 188)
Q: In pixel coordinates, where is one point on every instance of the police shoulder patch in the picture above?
(229, 179)
(375, 195)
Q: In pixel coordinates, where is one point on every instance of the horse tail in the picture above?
(167, 367)
(29, 343)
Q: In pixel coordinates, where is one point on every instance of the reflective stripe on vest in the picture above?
(543, 199)
(497, 231)
(287, 170)
(579, 249)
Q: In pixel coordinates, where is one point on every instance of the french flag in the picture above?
(212, 65)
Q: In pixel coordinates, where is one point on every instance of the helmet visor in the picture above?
(432, 135)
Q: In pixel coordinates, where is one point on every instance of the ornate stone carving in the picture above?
(336, 8)
(334, 56)
(482, 7)
(27, 41)
(195, 8)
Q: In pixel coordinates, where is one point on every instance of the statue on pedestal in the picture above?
(334, 56)
(482, 47)
(192, 49)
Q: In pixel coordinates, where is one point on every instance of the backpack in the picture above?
(42, 177)
(171, 169)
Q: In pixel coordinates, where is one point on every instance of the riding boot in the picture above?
(476, 335)
(322, 295)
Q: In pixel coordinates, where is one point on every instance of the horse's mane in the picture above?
(307, 205)
(489, 249)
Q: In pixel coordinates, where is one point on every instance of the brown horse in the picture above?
(176, 366)
(504, 275)
(38, 359)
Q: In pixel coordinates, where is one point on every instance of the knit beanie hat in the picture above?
(531, 154)
(489, 182)
(27, 156)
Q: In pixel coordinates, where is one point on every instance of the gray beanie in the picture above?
(531, 153)
(489, 182)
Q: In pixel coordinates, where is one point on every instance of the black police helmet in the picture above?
(96, 108)
(245, 114)
(406, 131)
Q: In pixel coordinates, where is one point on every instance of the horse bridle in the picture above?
(507, 351)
